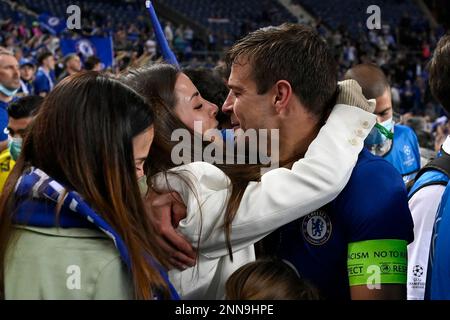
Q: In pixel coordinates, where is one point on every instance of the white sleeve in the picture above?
(282, 196)
(424, 206)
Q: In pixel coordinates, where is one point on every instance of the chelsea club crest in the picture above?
(316, 227)
(85, 47)
(53, 21)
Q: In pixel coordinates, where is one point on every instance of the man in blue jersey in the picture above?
(9, 85)
(45, 76)
(355, 247)
(403, 150)
(27, 72)
(435, 203)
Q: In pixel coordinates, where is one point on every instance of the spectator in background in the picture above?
(169, 33)
(150, 46)
(425, 138)
(408, 97)
(72, 65)
(21, 113)
(9, 86)
(45, 76)
(402, 148)
(36, 30)
(189, 34)
(27, 73)
(93, 64)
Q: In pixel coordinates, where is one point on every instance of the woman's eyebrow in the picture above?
(196, 94)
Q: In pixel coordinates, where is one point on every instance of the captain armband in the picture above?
(374, 262)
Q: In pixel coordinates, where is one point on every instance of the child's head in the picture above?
(268, 280)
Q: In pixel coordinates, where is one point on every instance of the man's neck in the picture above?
(295, 139)
(47, 70)
(5, 98)
(293, 146)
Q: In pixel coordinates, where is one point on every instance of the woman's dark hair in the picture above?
(82, 138)
(212, 88)
(156, 83)
(268, 280)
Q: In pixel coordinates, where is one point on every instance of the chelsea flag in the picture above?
(52, 24)
(101, 47)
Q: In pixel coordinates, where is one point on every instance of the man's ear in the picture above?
(282, 95)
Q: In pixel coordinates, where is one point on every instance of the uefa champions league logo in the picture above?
(417, 271)
(407, 150)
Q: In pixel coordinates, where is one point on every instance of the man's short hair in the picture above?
(6, 52)
(291, 52)
(371, 78)
(440, 72)
(44, 55)
(69, 57)
(25, 107)
(90, 62)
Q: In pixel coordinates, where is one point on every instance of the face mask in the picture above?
(7, 92)
(376, 136)
(15, 147)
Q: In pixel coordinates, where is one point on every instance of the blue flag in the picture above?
(167, 53)
(52, 24)
(101, 47)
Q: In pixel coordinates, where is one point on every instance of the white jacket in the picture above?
(282, 196)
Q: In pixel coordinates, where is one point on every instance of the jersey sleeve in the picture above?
(41, 84)
(3, 125)
(438, 274)
(376, 204)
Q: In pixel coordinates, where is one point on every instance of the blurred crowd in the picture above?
(402, 52)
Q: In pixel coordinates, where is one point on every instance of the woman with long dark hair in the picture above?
(72, 219)
(181, 105)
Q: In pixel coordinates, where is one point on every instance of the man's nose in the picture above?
(227, 106)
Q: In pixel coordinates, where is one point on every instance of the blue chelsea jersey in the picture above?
(372, 206)
(404, 154)
(3, 121)
(43, 83)
(438, 274)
